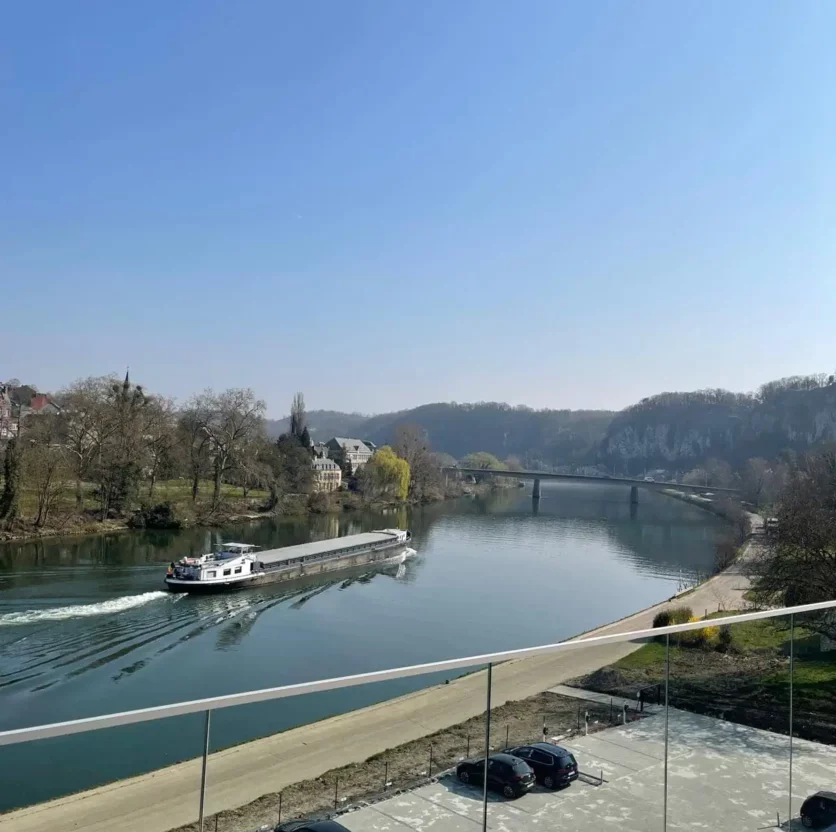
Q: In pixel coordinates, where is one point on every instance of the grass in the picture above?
(66, 517)
(749, 683)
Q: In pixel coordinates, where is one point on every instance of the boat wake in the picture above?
(114, 605)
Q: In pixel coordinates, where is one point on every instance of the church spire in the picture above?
(127, 383)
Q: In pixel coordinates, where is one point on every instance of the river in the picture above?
(85, 627)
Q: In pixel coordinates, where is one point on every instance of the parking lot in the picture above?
(722, 776)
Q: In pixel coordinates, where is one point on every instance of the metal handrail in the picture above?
(79, 726)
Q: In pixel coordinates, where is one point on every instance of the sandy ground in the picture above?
(169, 798)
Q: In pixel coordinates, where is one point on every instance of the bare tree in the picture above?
(413, 445)
(756, 474)
(45, 463)
(160, 439)
(86, 425)
(237, 417)
(194, 439)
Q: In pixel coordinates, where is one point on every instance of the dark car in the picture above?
(819, 810)
(310, 826)
(554, 766)
(509, 775)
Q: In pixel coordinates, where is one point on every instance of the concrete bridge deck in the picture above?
(635, 484)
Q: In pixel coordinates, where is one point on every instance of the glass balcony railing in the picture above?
(724, 721)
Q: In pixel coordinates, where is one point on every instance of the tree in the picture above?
(193, 438)
(10, 499)
(305, 438)
(756, 473)
(443, 460)
(384, 475)
(297, 416)
(236, 418)
(801, 567)
(160, 437)
(484, 460)
(119, 457)
(86, 425)
(287, 468)
(719, 473)
(412, 445)
(45, 463)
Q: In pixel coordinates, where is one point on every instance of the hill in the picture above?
(535, 436)
(322, 424)
(684, 429)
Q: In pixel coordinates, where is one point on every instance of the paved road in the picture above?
(168, 798)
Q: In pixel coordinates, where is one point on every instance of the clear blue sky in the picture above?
(563, 204)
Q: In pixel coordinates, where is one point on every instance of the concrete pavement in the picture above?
(721, 776)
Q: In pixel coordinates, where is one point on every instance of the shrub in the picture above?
(704, 637)
(724, 638)
(160, 516)
(681, 615)
(662, 618)
(319, 502)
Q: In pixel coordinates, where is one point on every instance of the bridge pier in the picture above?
(536, 493)
(634, 495)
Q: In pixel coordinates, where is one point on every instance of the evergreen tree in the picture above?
(11, 488)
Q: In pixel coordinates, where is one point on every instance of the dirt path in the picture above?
(168, 798)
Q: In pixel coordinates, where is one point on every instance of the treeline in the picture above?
(107, 449)
(113, 441)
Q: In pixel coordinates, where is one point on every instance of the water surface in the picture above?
(86, 628)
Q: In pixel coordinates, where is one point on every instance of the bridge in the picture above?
(635, 484)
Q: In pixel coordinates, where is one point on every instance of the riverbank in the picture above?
(242, 775)
(181, 512)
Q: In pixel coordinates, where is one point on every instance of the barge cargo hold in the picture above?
(239, 565)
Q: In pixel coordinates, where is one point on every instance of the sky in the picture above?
(382, 204)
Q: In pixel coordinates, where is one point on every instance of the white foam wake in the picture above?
(126, 602)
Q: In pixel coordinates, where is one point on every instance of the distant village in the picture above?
(336, 457)
(19, 401)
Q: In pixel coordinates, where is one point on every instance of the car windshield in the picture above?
(566, 761)
(520, 767)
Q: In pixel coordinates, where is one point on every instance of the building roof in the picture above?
(348, 444)
(324, 464)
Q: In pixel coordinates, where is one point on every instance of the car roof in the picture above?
(550, 747)
(828, 795)
(510, 759)
(315, 825)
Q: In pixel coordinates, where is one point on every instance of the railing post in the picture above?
(487, 752)
(667, 684)
(792, 672)
(203, 770)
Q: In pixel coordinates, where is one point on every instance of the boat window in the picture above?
(227, 571)
(237, 570)
(211, 574)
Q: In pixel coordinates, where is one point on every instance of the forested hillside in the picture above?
(670, 430)
(682, 429)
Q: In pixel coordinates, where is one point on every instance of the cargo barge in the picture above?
(240, 565)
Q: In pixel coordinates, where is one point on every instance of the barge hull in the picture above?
(286, 574)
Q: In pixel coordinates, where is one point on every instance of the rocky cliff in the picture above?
(684, 429)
